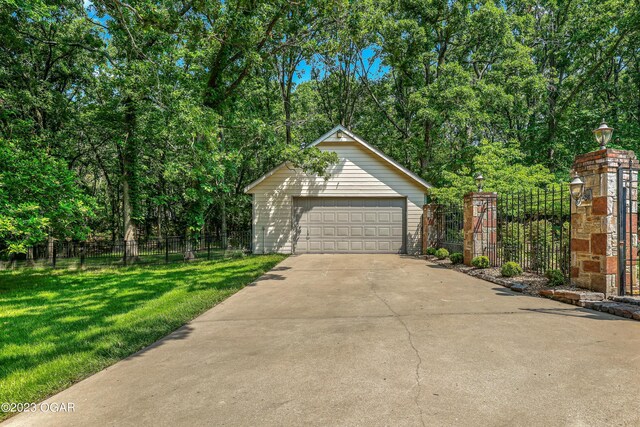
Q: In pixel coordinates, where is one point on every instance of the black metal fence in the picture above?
(147, 251)
(534, 229)
(449, 226)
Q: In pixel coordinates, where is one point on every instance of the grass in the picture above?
(61, 326)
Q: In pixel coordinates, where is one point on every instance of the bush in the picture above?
(431, 251)
(442, 253)
(480, 261)
(456, 258)
(510, 269)
(556, 278)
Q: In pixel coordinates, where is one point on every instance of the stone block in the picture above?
(580, 245)
(599, 243)
(599, 206)
(591, 266)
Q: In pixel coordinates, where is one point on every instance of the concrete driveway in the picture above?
(372, 340)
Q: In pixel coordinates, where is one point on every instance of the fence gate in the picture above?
(627, 195)
(534, 229)
(449, 225)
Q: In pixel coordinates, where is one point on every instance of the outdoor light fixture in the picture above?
(578, 193)
(339, 134)
(603, 134)
(479, 181)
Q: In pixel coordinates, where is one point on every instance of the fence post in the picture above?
(82, 255)
(54, 255)
(429, 233)
(166, 250)
(208, 239)
(600, 226)
(124, 256)
(480, 225)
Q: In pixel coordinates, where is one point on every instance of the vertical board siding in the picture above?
(359, 173)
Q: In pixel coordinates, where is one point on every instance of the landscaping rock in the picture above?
(519, 287)
(626, 300)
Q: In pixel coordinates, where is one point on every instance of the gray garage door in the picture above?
(364, 225)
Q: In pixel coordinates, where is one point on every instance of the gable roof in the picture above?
(363, 143)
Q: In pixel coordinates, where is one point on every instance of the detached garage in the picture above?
(371, 204)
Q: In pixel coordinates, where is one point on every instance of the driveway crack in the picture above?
(396, 315)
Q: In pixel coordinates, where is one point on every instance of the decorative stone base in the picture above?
(579, 298)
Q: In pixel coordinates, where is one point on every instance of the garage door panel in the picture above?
(315, 231)
(328, 231)
(349, 224)
(342, 231)
(370, 245)
(357, 216)
(370, 217)
(315, 217)
(356, 246)
(329, 245)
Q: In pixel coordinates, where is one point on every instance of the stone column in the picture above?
(480, 225)
(429, 232)
(594, 223)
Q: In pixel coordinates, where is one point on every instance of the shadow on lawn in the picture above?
(45, 315)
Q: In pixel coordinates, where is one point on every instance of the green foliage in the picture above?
(38, 197)
(503, 170)
(510, 269)
(456, 258)
(481, 262)
(442, 253)
(556, 278)
(431, 251)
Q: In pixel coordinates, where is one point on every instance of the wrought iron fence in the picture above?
(449, 226)
(534, 229)
(147, 251)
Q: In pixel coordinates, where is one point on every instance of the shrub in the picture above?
(510, 269)
(431, 251)
(442, 253)
(556, 278)
(480, 261)
(456, 258)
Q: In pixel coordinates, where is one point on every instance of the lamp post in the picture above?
(578, 193)
(479, 181)
(603, 134)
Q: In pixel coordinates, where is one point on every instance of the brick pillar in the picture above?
(429, 232)
(480, 224)
(594, 224)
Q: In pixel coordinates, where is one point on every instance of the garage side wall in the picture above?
(359, 173)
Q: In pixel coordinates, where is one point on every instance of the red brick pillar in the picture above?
(594, 222)
(480, 226)
(429, 233)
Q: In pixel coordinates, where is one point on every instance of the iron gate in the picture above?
(627, 196)
(449, 226)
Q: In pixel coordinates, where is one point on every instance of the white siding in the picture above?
(359, 173)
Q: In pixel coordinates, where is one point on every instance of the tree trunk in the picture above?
(129, 156)
(189, 254)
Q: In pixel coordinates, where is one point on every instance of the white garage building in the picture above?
(370, 204)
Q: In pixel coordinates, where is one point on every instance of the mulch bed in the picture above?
(534, 282)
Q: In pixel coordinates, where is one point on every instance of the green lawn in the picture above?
(59, 326)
